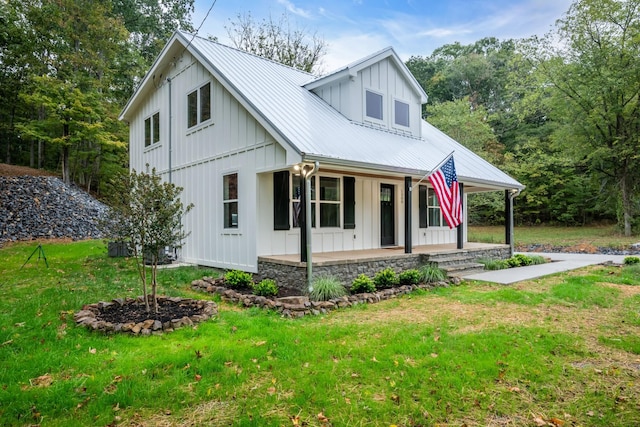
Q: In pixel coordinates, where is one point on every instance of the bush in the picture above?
(432, 273)
(326, 288)
(236, 279)
(410, 277)
(537, 259)
(266, 288)
(630, 260)
(385, 279)
(494, 264)
(362, 284)
(519, 260)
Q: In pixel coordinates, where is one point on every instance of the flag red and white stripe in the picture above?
(445, 183)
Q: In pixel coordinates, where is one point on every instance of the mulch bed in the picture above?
(136, 312)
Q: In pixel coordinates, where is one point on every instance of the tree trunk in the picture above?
(627, 204)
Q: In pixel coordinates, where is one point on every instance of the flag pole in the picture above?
(434, 169)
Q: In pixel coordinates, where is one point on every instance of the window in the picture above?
(325, 193)
(230, 200)
(152, 130)
(433, 209)
(401, 113)
(199, 105)
(430, 214)
(374, 105)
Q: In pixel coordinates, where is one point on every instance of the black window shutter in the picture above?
(281, 200)
(349, 184)
(422, 201)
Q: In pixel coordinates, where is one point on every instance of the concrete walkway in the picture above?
(560, 262)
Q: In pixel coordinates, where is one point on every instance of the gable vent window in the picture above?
(152, 130)
(199, 105)
(374, 105)
(401, 113)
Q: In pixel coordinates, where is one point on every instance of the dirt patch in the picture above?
(12, 170)
(136, 312)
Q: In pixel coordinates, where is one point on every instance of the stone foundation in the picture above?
(293, 275)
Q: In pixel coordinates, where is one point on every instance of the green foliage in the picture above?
(265, 288)
(519, 260)
(494, 264)
(236, 279)
(410, 277)
(385, 279)
(630, 260)
(362, 284)
(537, 259)
(325, 288)
(432, 273)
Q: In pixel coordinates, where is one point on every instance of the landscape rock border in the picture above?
(300, 306)
(88, 316)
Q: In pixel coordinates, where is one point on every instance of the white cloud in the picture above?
(294, 9)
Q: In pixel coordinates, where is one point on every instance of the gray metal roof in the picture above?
(319, 132)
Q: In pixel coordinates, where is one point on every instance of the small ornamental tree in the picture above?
(149, 219)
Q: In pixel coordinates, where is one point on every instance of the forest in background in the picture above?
(559, 112)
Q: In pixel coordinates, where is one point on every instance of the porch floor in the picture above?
(321, 258)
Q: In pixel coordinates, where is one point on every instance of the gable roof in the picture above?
(277, 96)
(352, 70)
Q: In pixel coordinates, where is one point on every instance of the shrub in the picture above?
(432, 273)
(326, 288)
(537, 259)
(410, 277)
(386, 278)
(519, 260)
(630, 260)
(362, 284)
(238, 279)
(266, 288)
(494, 264)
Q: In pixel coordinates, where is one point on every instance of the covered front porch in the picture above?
(290, 272)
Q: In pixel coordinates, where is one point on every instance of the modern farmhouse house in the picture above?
(240, 133)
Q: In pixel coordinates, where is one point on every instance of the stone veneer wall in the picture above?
(293, 275)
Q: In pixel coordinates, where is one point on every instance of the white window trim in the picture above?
(200, 124)
(364, 107)
(397, 125)
(230, 230)
(318, 202)
(152, 145)
(442, 221)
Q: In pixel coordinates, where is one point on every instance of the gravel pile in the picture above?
(39, 207)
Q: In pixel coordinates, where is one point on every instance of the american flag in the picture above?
(445, 183)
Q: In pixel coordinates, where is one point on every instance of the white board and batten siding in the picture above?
(347, 95)
(232, 141)
(366, 234)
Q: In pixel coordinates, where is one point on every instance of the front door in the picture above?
(387, 235)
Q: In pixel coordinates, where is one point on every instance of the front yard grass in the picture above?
(562, 350)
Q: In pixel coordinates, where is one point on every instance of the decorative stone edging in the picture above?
(299, 306)
(88, 316)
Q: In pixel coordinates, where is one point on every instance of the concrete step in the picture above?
(463, 269)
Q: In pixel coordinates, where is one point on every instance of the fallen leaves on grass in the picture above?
(42, 381)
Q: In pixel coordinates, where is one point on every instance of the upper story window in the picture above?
(401, 116)
(373, 105)
(199, 105)
(152, 130)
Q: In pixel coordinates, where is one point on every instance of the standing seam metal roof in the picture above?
(318, 130)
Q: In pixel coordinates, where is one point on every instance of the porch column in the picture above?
(407, 214)
(460, 228)
(302, 219)
(507, 217)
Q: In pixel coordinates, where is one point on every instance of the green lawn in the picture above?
(579, 237)
(559, 350)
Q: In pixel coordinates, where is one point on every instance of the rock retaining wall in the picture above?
(88, 316)
(294, 307)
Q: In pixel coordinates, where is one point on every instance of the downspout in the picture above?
(307, 189)
(170, 119)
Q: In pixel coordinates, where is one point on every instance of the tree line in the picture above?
(559, 112)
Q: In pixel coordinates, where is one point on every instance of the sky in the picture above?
(354, 29)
